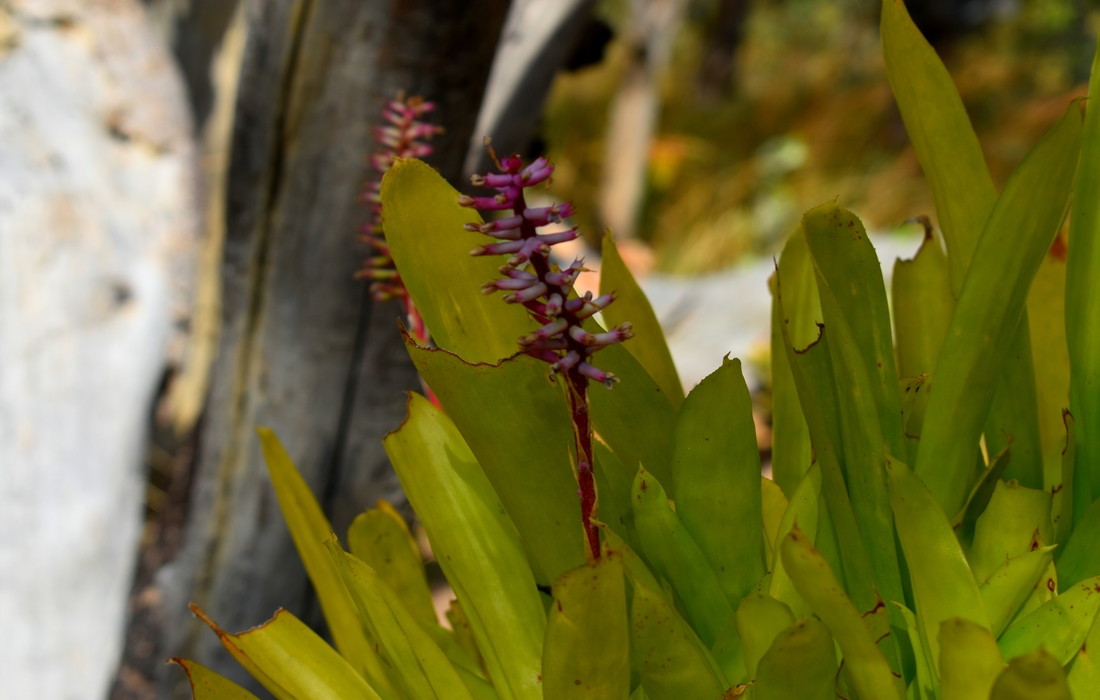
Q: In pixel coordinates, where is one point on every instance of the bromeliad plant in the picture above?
(933, 530)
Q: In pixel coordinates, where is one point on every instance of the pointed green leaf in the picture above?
(310, 529)
(208, 685)
(1036, 676)
(815, 582)
(1062, 502)
(510, 415)
(1017, 520)
(1084, 674)
(790, 435)
(801, 663)
(970, 660)
(381, 539)
(291, 661)
(716, 472)
(926, 680)
(678, 559)
(421, 666)
(943, 586)
(759, 619)
(631, 305)
(774, 505)
(1081, 558)
(1010, 584)
(424, 230)
(1046, 312)
(669, 657)
(587, 650)
(923, 304)
(803, 511)
(979, 340)
(476, 545)
(1083, 306)
(1060, 626)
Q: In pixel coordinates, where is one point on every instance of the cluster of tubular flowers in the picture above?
(531, 279)
(404, 135)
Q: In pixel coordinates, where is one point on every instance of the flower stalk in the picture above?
(532, 280)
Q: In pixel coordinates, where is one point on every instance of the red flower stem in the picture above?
(577, 384)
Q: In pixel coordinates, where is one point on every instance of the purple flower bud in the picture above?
(597, 374)
(529, 293)
(491, 180)
(566, 363)
(548, 331)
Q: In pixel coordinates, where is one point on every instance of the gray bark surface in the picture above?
(97, 233)
(302, 349)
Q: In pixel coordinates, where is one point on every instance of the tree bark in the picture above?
(302, 349)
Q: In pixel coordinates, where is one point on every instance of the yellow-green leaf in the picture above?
(1017, 520)
(424, 230)
(1036, 676)
(291, 661)
(648, 345)
(1084, 674)
(803, 511)
(970, 660)
(476, 545)
(815, 582)
(1010, 584)
(1081, 558)
(1060, 626)
(310, 529)
(420, 665)
(801, 663)
(760, 618)
(208, 685)
(381, 539)
(586, 655)
(926, 679)
(775, 505)
(716, 477)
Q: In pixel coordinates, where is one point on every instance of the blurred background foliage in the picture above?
(768, 107)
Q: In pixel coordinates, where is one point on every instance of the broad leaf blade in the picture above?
(716, 472)
(208, 685)
(801, 663)
(1081, 558)
(587, 650)
(802, 511)
(424, 230)
(648, 345)
(760, 618)
(1010, 584)
(1017, 520)
(970, 660)
(1060, 626)
(1036, 676)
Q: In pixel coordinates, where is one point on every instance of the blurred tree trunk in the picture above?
(302, 349)
(97, 235)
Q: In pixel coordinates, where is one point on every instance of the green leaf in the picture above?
(760, 618)
(587, 649)
(424, 230)
(648, 345)
(813, 376)
(849, 278)
(925, 668)
(815, 582)
(1060, 625)
(1063, 499)
(966, 522)
(1046, 312)
(1010, 584)
(208, 685)
(989, 309)
(1037, 676)
(421, 666)
(669, 657)
(291, 661)
(381, 539)
(716, 472)
(1084, 674)
(774, 505)
(803, 511)
(1081, 558)
(476, 545)
(791, 451)
(510, 415)
(943, 586)
(678, 559)
(923, 304)
(310, 529)
(1083, 306)
(801, 663)
(1017, 520)
(970, 660)
(940, 131)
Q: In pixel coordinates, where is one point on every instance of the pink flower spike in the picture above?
(574, 305)
(529, 293)
(597, 374)
(499, 248)
(590, 306)
(513, 235)
(512, 164)
(553, 305)
(559, 237)
(566, 363)
(581, 335)
(548, 331)
(491, 180)
(550, 344)
(496, 203)
(517, 274)
(544, 355)
(504, 224)
(515, 284)
(615, 335)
